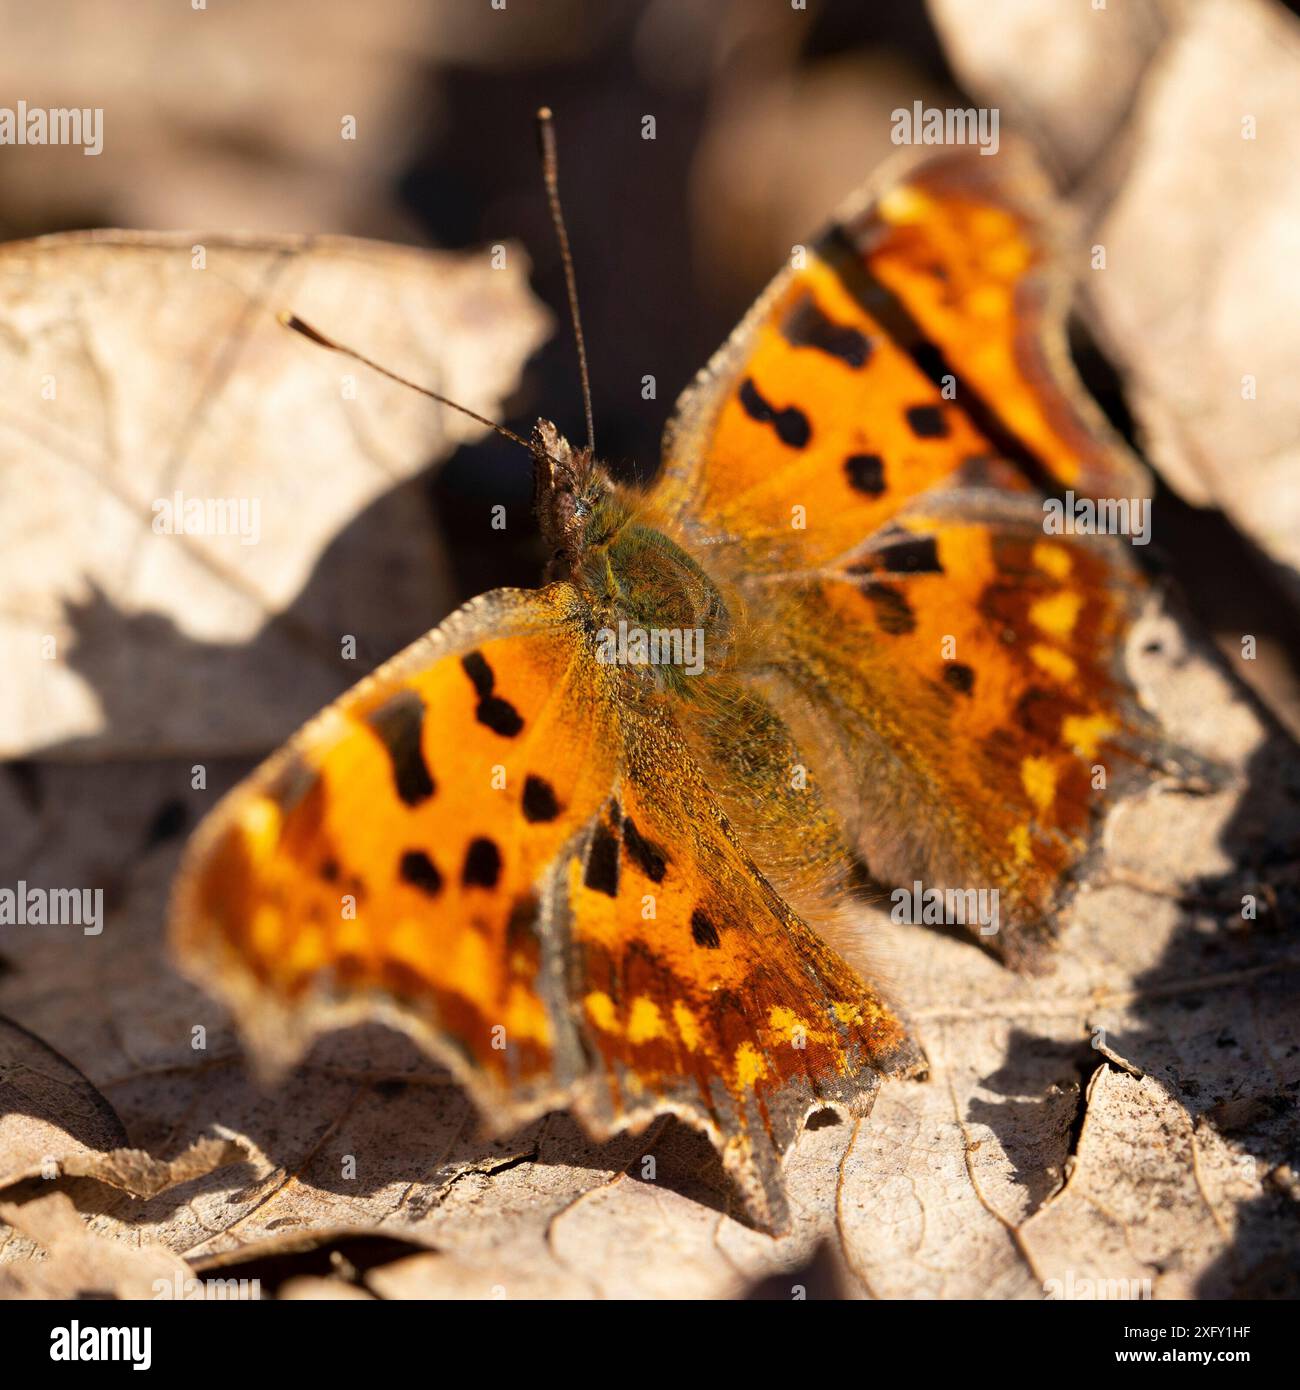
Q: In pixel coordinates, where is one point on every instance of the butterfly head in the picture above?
(569, 491)
(632, 576)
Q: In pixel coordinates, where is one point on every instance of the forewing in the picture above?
(920, 337)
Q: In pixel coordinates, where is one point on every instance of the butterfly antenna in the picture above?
(550, 172)
(316, 336)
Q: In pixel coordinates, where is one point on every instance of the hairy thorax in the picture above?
(654, 611)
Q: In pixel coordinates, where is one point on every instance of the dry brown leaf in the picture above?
(78, 1263)
(49, 1112)
(134, 376)
(55, 1124)
(141, 1175)
(1147, 105)
(1073, 96)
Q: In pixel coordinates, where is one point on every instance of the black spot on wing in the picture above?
(808, 325)
(646, 855)
(927, 422)
(958, 677)
(866, 473)
(703, 932)
(791, 424)
(601, 873)
(420, 872)
(475, 666)
(539, 799)
(893, 612)
(497, 714)
(398, 723)
(910, 555)
(482, 867)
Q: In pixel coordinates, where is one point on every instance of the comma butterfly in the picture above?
(591, 844)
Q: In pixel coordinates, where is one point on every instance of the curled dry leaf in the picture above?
(49, 1113)
(55, 1124)
(79, 1264)
(136, 1172)
(148, 386)
(185, 142)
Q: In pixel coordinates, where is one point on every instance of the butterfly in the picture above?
(595, 845)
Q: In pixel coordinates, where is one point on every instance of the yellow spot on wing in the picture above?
(1038, 777)
(750, 1066)
(471, 964)
(1055, 663)
(991, 224)
(601, 1011)
(302, 954)
(790, 1029)
(687, 1027)
(902, 205)
(352, 939)
(645, 1023)
(785, 1020)
(1083, 732)
(1056, 615)
(858, 1013)
(1008, 260)
(525, 1015)
(989, 302)
(408, 944)
(1051, 559)
(1021, 845)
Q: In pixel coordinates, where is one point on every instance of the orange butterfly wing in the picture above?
(831, 393)
(863, 461)
(490, 844)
